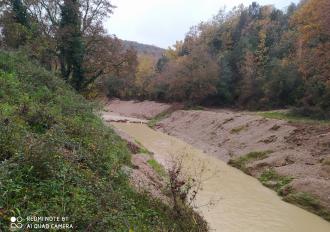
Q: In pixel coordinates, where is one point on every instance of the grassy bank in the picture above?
(308, 202)
(281, 184)
(58, 159)
(153, 122)
(242, 161)
(292, 117)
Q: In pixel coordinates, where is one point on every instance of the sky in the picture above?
(163, 22)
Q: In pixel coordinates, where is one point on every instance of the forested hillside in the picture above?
(144, 49)
(255, 57)
(135, 83)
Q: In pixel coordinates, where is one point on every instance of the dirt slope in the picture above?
(136, 109)
(297, 151)
(142, 176)
(301, 152)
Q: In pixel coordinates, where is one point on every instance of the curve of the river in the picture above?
(242, 204)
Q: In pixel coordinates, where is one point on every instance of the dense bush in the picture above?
(58, 159)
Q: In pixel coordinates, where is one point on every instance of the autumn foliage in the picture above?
(313, 51)
(255, 57)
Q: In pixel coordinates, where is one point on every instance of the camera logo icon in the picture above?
(16, 223)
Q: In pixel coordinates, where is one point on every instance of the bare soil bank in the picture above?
(298, 151)
(143, 177)
(136, 109)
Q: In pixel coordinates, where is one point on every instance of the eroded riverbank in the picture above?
(293, 159)
(241, 203)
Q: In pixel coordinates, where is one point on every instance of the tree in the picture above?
(144, 76)
(190, 77)
(248, 84)
(71, 45)
(20, 13)
(16, 23)
(115, 65)
(313, 53)
(67, 34)
(285, 85)
(261, 55)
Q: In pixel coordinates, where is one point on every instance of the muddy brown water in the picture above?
(239, 202)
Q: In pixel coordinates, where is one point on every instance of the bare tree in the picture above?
(185, 185)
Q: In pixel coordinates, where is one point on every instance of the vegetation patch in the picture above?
(308, 202)
(153, 122)
(291, 117)
(237, 130)
(142, 149)
(157, 167)
(280, 184)
(326, 162)
(273, 180)
(242, 161)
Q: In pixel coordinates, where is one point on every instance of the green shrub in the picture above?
(242, 161)
(273, 180)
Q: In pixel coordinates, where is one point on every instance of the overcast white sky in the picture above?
(162, 22)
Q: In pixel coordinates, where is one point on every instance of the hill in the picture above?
(144, 49)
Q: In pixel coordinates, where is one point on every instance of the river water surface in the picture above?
(240, 202)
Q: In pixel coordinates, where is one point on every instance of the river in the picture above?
(241, 203)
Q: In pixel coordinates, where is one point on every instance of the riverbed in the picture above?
(230, 200)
